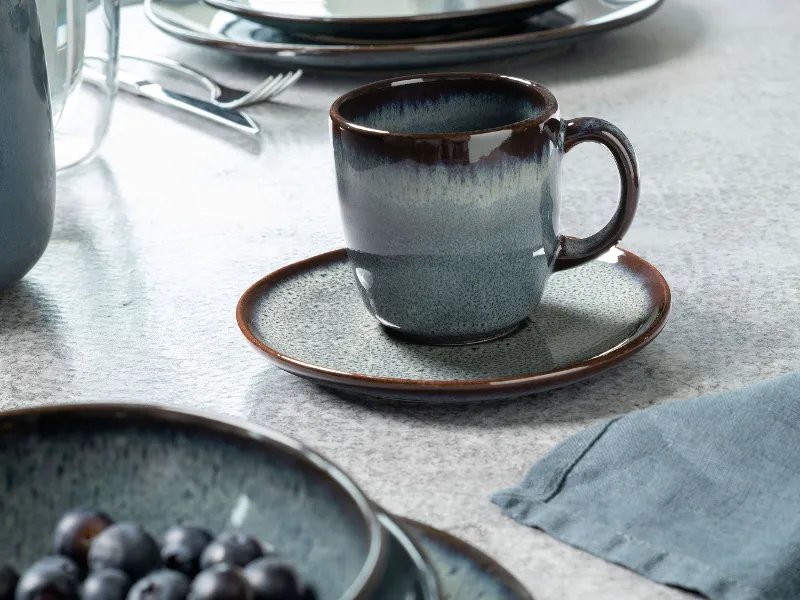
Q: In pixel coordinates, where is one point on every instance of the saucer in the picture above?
(308, 318)
(464, 572)
(409, 576)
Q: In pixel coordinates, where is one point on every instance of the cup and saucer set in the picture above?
(456, 284)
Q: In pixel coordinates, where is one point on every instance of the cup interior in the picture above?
(444, 104)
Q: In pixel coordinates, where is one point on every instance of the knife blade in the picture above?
(202, 108)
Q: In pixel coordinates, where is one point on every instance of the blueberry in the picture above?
(106, 584)
(75, 532)
(50, 578)
(127, 547)
(182, 548)
(221, 582)
(8, 582)
(161, 585)
(308, 594)
(232, 548)
(273, 579)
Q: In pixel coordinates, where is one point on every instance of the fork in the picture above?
(221, 95)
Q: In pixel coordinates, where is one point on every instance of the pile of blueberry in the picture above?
(97, 559)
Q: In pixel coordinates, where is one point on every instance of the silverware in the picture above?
(221, 95)
(202, 108)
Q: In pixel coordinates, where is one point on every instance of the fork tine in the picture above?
(267, 92)
(295, 76)
(262, 91)
(269, 88)
(253, 94)
(276, 89)
(286, 83)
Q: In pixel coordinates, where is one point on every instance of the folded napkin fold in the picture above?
(702, 494)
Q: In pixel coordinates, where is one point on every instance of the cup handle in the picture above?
(576, 251)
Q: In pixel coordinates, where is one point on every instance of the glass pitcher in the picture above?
(81, 42)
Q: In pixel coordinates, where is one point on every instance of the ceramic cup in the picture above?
(449, 194)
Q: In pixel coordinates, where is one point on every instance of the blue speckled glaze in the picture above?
(447, 113)
(142, 465)
(451, 236)
(27, 163)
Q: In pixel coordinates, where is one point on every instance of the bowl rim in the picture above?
(368, 578)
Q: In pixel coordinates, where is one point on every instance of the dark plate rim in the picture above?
(365, 583)
(484, 561)
(652, 280)
(619, 17)
(513, 6)
(416, 551)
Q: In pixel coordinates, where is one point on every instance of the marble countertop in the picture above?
(155, 241)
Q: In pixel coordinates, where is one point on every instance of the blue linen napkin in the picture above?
(702, 494)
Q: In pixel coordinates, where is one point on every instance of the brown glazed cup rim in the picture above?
(365, 582)
(539, 92)
(657, 288)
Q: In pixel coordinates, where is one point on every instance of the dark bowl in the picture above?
(159, 466)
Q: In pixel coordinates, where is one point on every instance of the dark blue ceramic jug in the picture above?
(27, 164)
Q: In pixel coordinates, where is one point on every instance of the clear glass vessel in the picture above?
(81, 42)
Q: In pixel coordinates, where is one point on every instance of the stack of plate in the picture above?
(381, 34)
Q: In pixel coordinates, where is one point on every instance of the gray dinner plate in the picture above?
(199, 23)
(386, 18)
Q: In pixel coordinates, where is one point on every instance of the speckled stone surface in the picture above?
(134, 299)
(317, 318)
(158, 474)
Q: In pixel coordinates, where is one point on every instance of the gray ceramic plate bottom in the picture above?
(199, 23)
(464, 572)
(309, 319)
